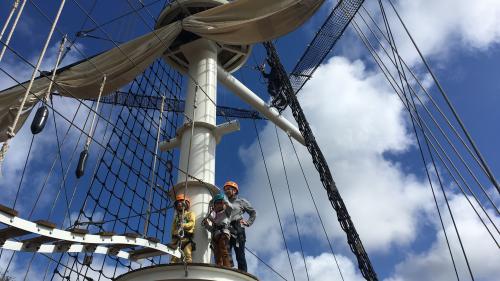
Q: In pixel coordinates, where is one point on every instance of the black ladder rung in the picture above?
(106, 233)
(80, 231)
(113, 250)
(11, 232)
(132, 235)
(153, 239)
(63, 245)
(144, 253)
(39, 240)
(121, 246)
(46, 223)
(8, 210)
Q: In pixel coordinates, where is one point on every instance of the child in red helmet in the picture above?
(183, 229)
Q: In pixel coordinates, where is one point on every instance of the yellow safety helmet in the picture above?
(231, 184)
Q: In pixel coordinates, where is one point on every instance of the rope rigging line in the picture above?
(23, 172)
(41, 99)
(86, 31)
(264, 263)
(424, 162)
(419, 119)
(291, 202)
(424, 89)
(63, 184)
(388, 75)
(55, 111)
(433, 162)
(434, 195)
(274, 198)
(434, 120)
(448, 102)
(103, 147)
(41, 12)
(402, 76)
(13, 9)
(316, 208)
(451, 215)
(82, 161)
(12, 29)
(187, 73)
(190, 147)
(65, 172)
(153, 171)
(321, 166)
(135, 126)
(386, 72)
(323, 42)
(10, 130)
(73, 42)
(44, 183)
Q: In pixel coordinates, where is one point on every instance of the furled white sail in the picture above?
(239, 22)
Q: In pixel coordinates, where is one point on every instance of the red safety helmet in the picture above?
(182, 197)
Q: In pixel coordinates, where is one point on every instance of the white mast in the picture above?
(200, 60)
(197, 153)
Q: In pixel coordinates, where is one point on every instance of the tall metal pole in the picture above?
(197, 155)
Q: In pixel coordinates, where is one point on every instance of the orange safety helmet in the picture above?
(231, 184)
(182, 197)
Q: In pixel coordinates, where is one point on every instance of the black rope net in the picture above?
(120, 190)
(118, 193)
(323, 42)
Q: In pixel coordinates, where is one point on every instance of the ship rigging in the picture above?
(94, 201)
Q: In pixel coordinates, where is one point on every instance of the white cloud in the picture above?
(357, 121)
(44, 148)
(435, 263)
(441, 27)
(319, 268)
(355, 124)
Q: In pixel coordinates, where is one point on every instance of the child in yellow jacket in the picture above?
(183, 229)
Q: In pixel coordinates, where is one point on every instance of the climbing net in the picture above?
(119, 199)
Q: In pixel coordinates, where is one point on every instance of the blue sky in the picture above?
(363, 130)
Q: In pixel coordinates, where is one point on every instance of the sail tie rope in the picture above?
(10, 131)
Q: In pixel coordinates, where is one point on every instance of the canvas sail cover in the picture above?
(241, 22)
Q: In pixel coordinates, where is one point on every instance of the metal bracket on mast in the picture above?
(258, 104)
(219, 131)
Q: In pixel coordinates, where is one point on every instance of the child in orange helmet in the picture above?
(183, 229)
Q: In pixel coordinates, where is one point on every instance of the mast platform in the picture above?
(195, 271)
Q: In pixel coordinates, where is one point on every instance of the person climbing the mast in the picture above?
(183, 229)
(217, 222)
(238, 223)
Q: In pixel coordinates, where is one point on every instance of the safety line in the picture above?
(316, 208)
(291, 202)
(274, 198)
